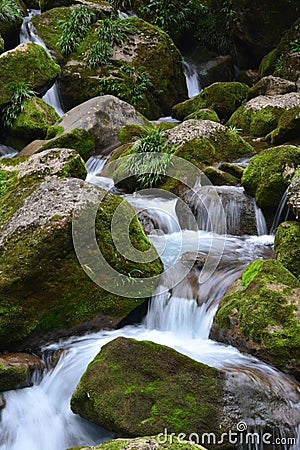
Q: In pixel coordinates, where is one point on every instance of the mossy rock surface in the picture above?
(288, 127)
(203, 114)
(260, 315)
(222, 97)
(293, 195)
(260, 115)
(287, 246)
(16, 370)
(269, 173)
(27, 63)
(150, 443)
(133, 390)
(271, 86)
(43, 286)
(219, 178)
(78, 139)
(33, 121)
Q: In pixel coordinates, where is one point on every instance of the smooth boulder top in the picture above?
(285, 101)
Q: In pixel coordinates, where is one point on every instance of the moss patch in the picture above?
(12, 377)
(78, 139)
(287, 246)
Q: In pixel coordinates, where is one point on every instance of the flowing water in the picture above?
(192, 79)
(7, 152)
(39, 417)
(28, 34)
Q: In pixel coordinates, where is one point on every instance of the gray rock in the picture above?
(293, 196)
(271, 86)
(193, 129)
(103, 117)
(286, 101)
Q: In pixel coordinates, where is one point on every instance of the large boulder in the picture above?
(12, 13)
(144, 68)
(269, 173)
(132, 388)
(32, 123)
(293, 195)
(43, 286)
(103, 5)
(28, 63)
(283, 61)
(260, 315)
(222, 97)
(16, 370)
(260, 115)
(102, 117)
(287, 246)
(271, 86)
(288, 127)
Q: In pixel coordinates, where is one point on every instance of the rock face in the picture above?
(132, 388)
(260, 115)
(269, 173)
(260, 315)
(287, 246)
(29, 63)
(102, 117)
(271, 86)
(16, 369)
(43, 287)
(222, 97)
(288, 127)
(293, 195)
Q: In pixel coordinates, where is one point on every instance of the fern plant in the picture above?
(19, 91)
(10, 11)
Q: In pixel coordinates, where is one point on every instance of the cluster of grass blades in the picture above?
(19, 91)
(10, 11)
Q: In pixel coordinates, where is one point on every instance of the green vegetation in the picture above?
(10, 11)
(287, 246)
(19, 91)
(148, 169)
(295, 45)
(75, 28)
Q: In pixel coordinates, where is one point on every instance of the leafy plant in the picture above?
(141, 82)
(147, 167)
(19, 91)
(295, 46)
(111, 32)
(10, 11)
(75, 28)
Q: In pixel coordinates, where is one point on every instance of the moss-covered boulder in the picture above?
(260, 315)
(144, 68)
(271, 86)
(132, 388)
(16, 370)
(149, 443)
(100, 4)
(287, 246)
(293, 195)
(260, 115)
(43, 287)
(223, 97)
(269, 173)
(220, 178)
(203, 142)
(288, 127)
(233, 169)
(32, 123)
(203, 114)
(283, 61)
(28, 63)
(12, 14)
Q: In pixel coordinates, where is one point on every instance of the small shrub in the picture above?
(19, 91)
(295, 46)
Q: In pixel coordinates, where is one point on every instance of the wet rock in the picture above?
(219, 178)
(288, 127)
(287, 246)
(215, 70)
(233, 169)
(260, 315)
(16, 370)
(293, 195)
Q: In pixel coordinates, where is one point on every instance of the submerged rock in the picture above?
(132, 388)
(16, 370)
(260, 315)
(260, 115)
(222, 97)
(287, 246)
(28, 63)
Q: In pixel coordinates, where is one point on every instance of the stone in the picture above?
(287, 246)
(219, 178)
(214, 70)
(271, 85)
(293, 195)
(16, 370)
(148, 443)
(288, 127)
(28, 63)
(260, 315)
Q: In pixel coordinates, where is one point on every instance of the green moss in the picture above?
(266, 178)
(1, 45)
(204, 114)
(54, 131)
(268, 63)
(126, 365)
(264, 312)
(12, 377)
(219, 178)
(78, 139)
(287, 246)
(288, 127)
(256, 123)
(34, 66)
(222, 97)
(130, 131)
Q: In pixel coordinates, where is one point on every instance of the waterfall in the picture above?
(7, 152)
(192, 79)
(28, 34)
(260, 221)
(94, 166)
(282, 214)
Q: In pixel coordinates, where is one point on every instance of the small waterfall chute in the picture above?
(282, 214)
(28, 34)
(192, 79)
(7, 152)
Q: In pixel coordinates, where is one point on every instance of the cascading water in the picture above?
(39, 417)
(192, 79)
(7, 152)
(282, 214)
(28, 34)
